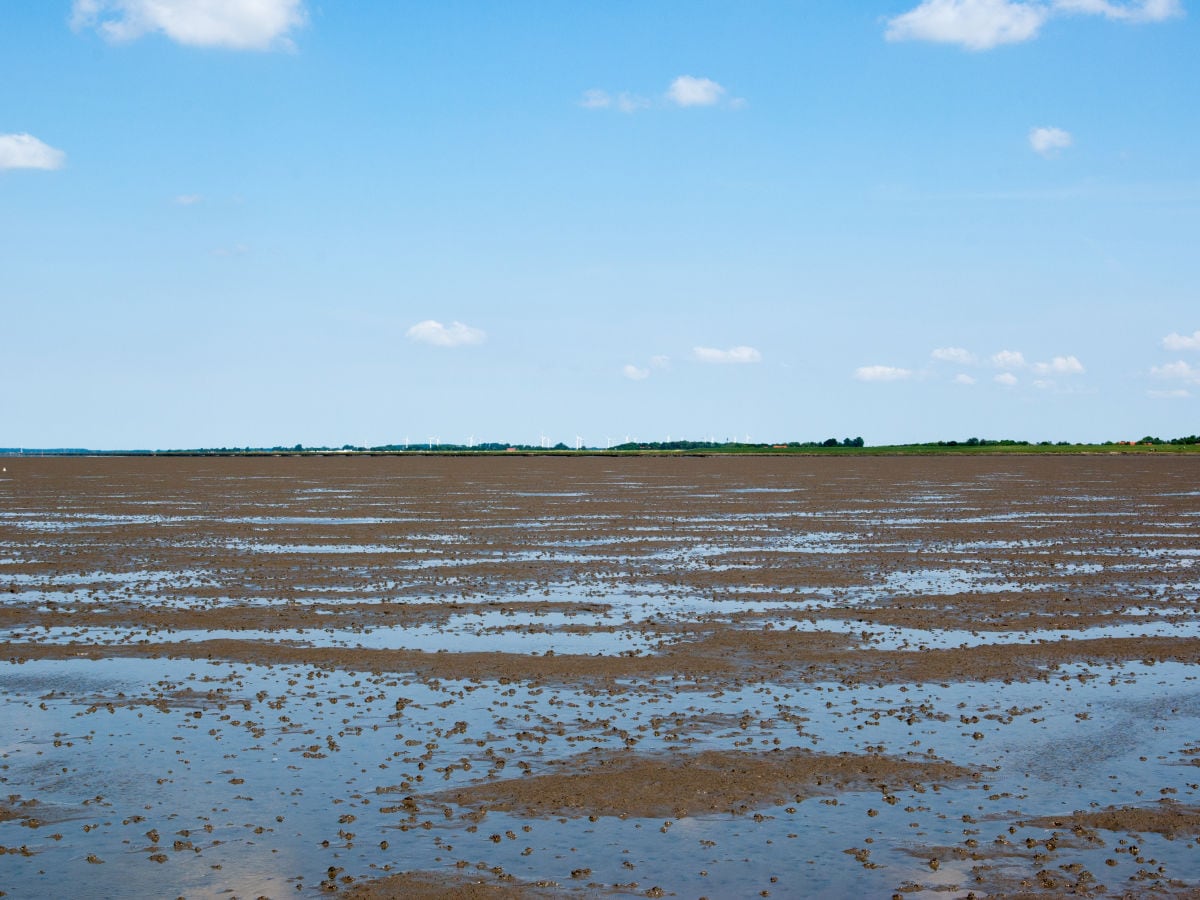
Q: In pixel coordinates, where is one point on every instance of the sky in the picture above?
(270, 222)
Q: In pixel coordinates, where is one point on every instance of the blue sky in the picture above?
(259, 222)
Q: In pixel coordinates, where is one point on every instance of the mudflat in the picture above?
(537, 676)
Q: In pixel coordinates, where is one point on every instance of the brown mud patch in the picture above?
(710, 782)
(1168, 818)
(439, 886)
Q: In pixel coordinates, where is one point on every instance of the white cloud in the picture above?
(235, 24)
(963, 378)
(1009, 359)
(954, 355)
(686, 90)
(732, 355)
(24, 151)
(1177, 371)
(974, 24)
(1176, 394)
(456, 334)
(1175, 341)
(633, 373)
(660, 362)
(1048, 141)
(882, 373)
(1008, 379)
(984, 24)
(689, 91)
(1060, 365)
(595, 99)
(188, 199)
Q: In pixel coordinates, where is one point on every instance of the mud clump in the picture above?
(1168, 818)
(683, 785)
(437, 886)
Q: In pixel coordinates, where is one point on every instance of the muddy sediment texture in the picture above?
(294, 675)
(352, 545)
(682, 785)
(431, 886)
(1169, 819)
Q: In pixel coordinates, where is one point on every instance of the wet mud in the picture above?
(688, 784)
(685, 677)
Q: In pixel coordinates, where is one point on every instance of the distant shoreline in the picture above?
(812, 452)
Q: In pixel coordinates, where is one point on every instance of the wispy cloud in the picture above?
(684, 91)
(1014, 360)
(732, 355)
(1173, 394)
(24, 151)
(984, 24)
(882, 373)
(596, 99)
(233, 24)
(631, 103)
(1059, 365)
(635, 373)
(956, 355)
(1009, 362)
(188, 199)
(1134, 11)
(1009, 359)
(456, 334)
(687, 90)
(1048, 142)
(1177, 371)
(1175, 341)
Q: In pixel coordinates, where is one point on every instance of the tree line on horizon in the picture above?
(629, 446)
